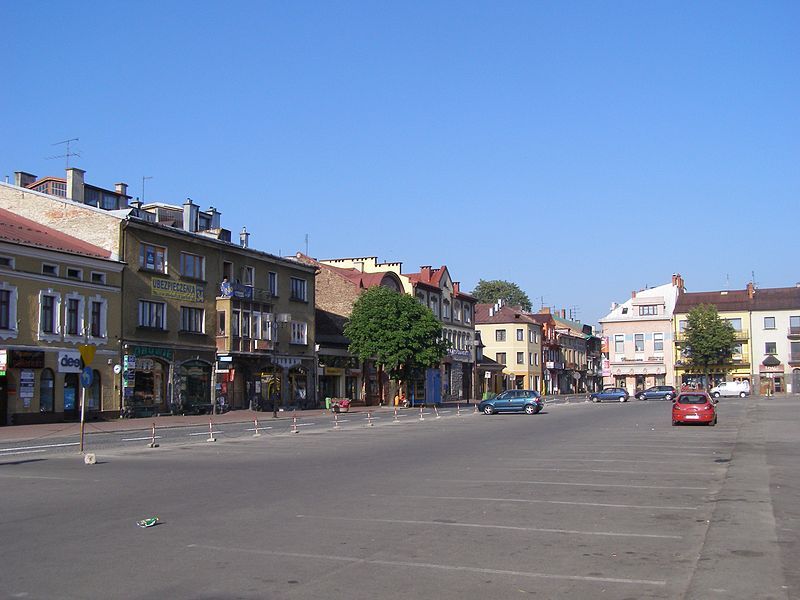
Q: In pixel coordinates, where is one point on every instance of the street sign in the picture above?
(87, 353)
(86, 377)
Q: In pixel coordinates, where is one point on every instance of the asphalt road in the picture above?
(581, 501)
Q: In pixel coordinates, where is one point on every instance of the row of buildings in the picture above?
(644, 341)
(181, 317)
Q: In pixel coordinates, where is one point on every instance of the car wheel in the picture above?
(595, 399)
(639, 396)
(742, 394)
(716, 394)
(623, 399)
(668, 397)
(674, 423)
(530, 409)
(488, 409)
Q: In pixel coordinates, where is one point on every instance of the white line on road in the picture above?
(485, 526)
(440, 567)
(573, 483)
(556, 469)
(140, 439)
(37, 447)
(21, 452)
(528, 501)
(628, 460)
(205, 433)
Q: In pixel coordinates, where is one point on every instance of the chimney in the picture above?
(633, 294)
(215, 217)
(190, 215)
(244, 238)
(75, 184)
(425, 272)
(545, 310)
(121, 188)
(456, 287)
(23, 179)
(751, 290)
(359, 264)
(563, 313)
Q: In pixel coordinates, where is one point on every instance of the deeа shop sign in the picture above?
(69, 361)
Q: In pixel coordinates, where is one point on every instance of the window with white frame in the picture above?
(49, 305)
(8, 310)
(299, 332)
(530, 358)
(520, 335)
(658, 342)
(192, 319)
(457, 311)
(467, 314)
(446, 309)
(298, 289)
(267, 326)
(248, 276)
(98, 311)
(153, 258)
(272, 283)
(500, 335)
(193, 265)
(256, 325)
(520, 358)
(73, 317)
(97, 277)
(435, 305)
(769, 322)
(74, 273)
(770, 348)
(152, 314)
(638, 342)
(648, 310)
(619, 343)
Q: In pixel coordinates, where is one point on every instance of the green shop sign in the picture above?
(165, 353)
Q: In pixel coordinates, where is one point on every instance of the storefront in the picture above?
(771, 377)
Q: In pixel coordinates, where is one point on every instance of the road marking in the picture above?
(556, 469)
(504, 527)
(260, 428)
(37, 447)
(583, 484)
(528, 501)
(21, 452)
(435, 566)
(205, 433)
(629, 460)
(670, 453)
(140, 439)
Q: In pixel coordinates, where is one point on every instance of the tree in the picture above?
(489, 292)
(396, 331)
(709, 339)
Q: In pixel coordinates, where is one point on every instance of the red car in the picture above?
(694, 407)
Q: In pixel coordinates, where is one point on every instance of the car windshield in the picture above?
(693, 399)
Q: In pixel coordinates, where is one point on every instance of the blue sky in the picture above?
(579, 149)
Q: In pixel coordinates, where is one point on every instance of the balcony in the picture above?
(739, 336)
(794, 359)
(794, 333)
(228, 344)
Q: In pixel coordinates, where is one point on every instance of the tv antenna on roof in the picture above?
(68, 153)
(573, 312)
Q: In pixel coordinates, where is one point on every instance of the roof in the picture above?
(662, 294)
(763, 299)
(355, 276)
(19, 230)
(506, 314)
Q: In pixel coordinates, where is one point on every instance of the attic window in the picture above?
(625, 310)
(6, 261)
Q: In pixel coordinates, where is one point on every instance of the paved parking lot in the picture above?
(581, 501)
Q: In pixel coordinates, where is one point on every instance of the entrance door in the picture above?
(433, 386)
(3, 401)
(72, 398)
(796, 381)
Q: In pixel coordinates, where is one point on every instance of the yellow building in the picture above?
(734, 307)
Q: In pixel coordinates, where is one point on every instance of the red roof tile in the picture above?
(19, 230)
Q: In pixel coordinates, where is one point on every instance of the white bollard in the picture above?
(436, 410)
(395, 420)
(255, 423)
(152, 443)
(294, 424)
(336, 420)
(211, 437)
(369, 418)
(421, 418)
(458, 410)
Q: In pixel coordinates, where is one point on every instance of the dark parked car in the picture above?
(529, 401)
(612, 393)
(657, 392)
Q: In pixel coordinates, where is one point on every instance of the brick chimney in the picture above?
(456, 287)
(751, 290)
(545, 310)
(633, 294)
(75, 184)
(425, 272)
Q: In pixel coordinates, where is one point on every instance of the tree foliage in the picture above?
(489, 292)
(396, 331)
(709, 339)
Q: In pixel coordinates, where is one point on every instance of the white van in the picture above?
(730, 388)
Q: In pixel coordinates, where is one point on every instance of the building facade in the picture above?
(775, 336)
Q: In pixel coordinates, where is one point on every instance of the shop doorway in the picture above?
(3, 401)
(796, 381)
(72, 399)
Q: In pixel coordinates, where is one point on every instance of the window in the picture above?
(235, 332)
(267, 326)
(7, 262)
(500, 335)
(193, 266)
(152, 314)
(500, 357)
(658, 342)
(98, 278)
(220, 323)
(770, 348)
(457, 311)
(619, 343)
(299, 332)
(192, 319)
(446, 309)
(638, 342)
(298, 289)
(467, 315)
(735, 323)
(769, 322)
(74, 316)
(435, 305)
(272, 283)
(5, 309)
(248, 276)
(48, 317)
(49, 270)
(46, 391)
(737, 349)
(520, 335)
(648, 309)
(74, 273)
(520, 358)
(536, 359)
(682, 325)
(256, 330)
(153, 258)
(794, 325)
(97, 326)
(530, 358)
(245, 325)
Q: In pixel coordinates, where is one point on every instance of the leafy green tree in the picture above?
(489, 292)
(709, 339)
(396, 331)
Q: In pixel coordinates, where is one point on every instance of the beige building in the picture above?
(57, 294)
(512, 338)
(638, 339)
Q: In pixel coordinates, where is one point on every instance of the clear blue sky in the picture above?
(579, 149)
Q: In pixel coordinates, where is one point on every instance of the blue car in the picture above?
(613, 393)
(657, 392)
(528, 401)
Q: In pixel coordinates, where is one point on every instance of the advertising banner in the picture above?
(69, 361)
(177, 290)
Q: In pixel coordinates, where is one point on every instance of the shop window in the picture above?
(46, 391)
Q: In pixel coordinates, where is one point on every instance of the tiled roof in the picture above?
(777, 298)
(506, 314)
(786, 298)
(19, 230)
